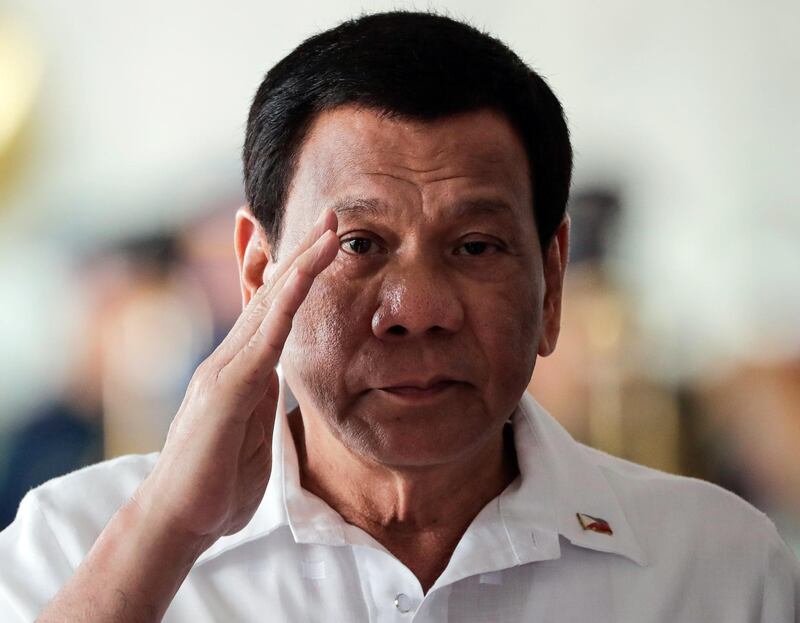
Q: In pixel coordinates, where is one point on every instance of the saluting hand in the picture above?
(214, 468)
(215, 465)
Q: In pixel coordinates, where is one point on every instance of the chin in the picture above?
(415, 437)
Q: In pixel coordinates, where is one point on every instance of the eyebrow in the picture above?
(359, 206)
(480, 206)
(350, 206)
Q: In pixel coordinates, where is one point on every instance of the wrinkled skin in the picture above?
(423, 291)
(411, 297)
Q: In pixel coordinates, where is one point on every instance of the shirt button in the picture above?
(402, 602)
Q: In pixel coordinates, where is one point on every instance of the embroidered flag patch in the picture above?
(595, 524)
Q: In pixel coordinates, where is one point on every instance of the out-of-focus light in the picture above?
(20, 75)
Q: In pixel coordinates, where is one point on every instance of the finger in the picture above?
(305, 262)
(327, 220)
(264, 348)
(256, 306)
(249, 374)
(259, 304)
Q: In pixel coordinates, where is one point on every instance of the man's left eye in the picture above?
(479, 247)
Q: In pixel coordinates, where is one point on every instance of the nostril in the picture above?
(397, 330)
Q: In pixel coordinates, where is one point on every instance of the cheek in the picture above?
(324, 334)
(508, 326)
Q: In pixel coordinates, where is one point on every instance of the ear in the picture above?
(554, 266)
(252, 252)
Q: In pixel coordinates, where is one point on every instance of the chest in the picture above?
(287, 582)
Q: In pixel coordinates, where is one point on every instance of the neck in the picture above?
(417, 513)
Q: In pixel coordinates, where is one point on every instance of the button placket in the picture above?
(392, 591)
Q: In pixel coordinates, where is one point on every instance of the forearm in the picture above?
(131, 574)
(215, 465)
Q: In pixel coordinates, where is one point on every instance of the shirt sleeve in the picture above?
(34, 567)
(781, 601)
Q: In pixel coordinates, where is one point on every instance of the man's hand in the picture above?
(215, 465)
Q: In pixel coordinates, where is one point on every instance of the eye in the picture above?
(479, 247)
(358, 246)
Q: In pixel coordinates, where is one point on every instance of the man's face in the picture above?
(440, 275)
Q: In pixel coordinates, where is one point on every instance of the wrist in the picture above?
(131, 573)
(148, 526)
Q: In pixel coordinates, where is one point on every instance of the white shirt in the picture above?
(682, 550)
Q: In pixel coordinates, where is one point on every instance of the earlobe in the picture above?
(555, 265)
(252, 252)
(544, 346)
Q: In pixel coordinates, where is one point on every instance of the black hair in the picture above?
(407, 64)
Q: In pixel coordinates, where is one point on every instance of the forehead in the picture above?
(352, 152)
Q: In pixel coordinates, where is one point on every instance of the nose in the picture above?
(417, 299)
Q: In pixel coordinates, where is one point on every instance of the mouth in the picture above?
(418, 394)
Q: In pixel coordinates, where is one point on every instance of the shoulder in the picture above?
(56, 525)
(635, 483)
(679, 521)
(75, 507)
(107, 479)
(671, 513)
(703, 537)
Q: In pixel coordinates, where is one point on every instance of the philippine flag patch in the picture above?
(595, 524)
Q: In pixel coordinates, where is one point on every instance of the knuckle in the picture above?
(268, 284)
(304, 274)
(261, 309)
(206, 370)
(263, 305)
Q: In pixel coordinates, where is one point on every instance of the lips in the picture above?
(419, 392)
(410, 390)
(436, 382)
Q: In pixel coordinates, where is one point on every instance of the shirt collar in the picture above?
(557, 481)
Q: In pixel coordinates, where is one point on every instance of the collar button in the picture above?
(403, 603)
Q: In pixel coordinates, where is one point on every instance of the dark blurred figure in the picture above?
(68, 432)
(737, 426)
(751, 430)
(65, 432)
(596, 382)
(58, 438)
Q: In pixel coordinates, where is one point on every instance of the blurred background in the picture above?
(120, 130)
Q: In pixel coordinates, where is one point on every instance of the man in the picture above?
(402, 256)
